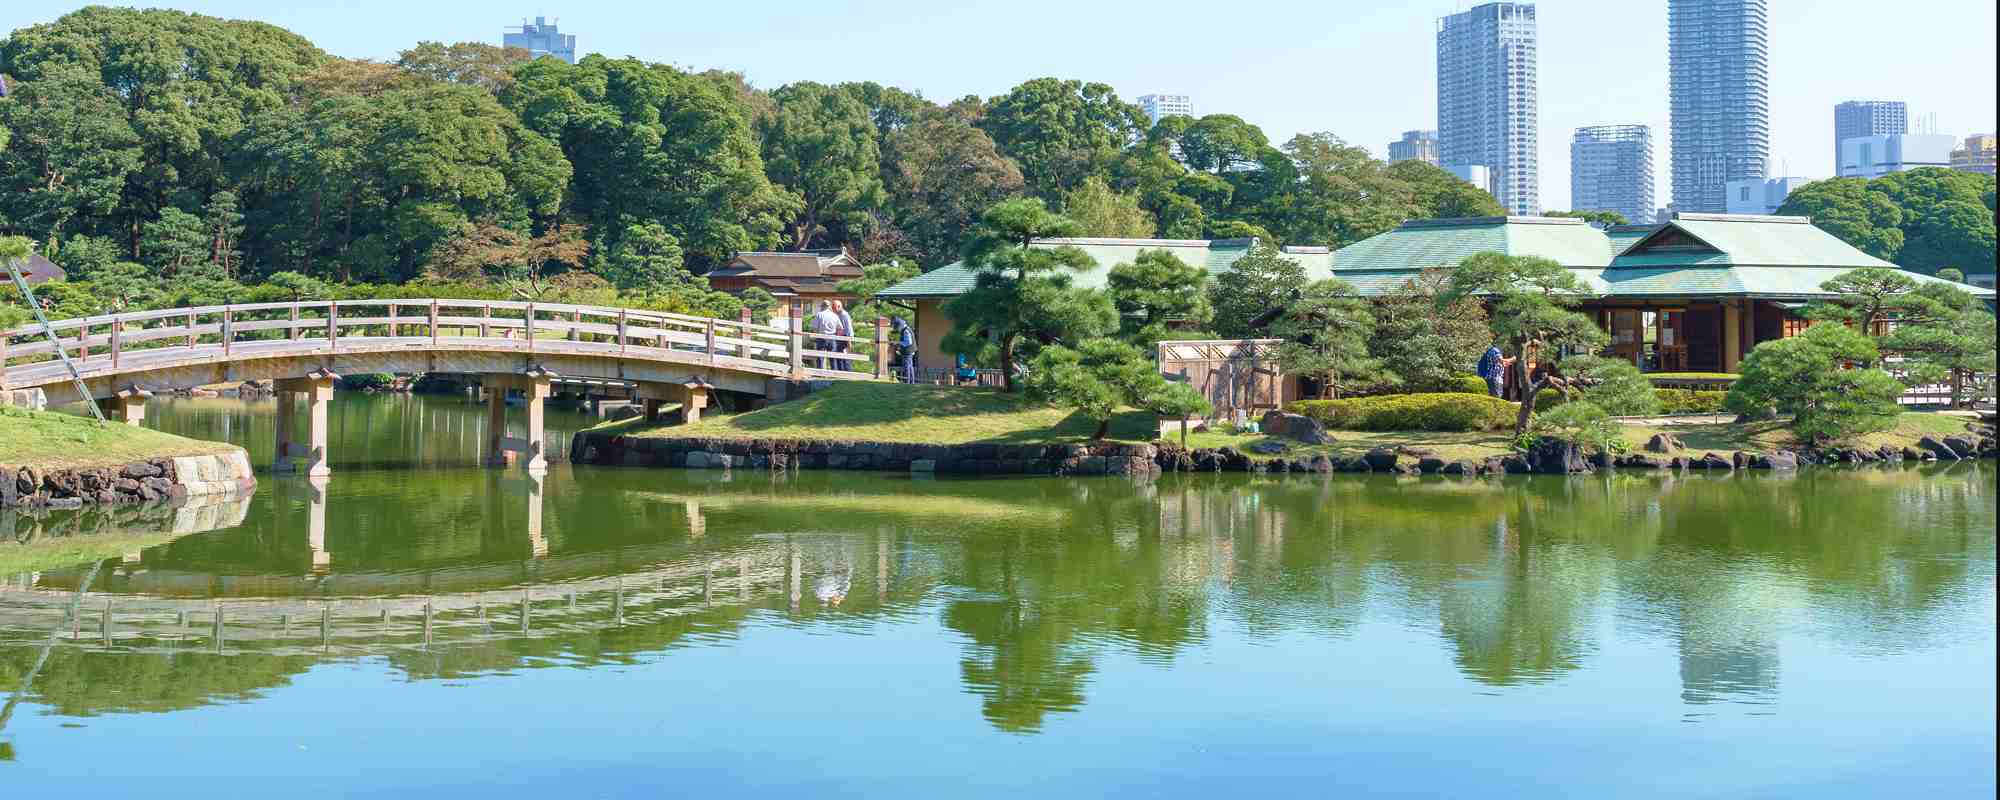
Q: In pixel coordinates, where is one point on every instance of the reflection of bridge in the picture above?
(303, 347)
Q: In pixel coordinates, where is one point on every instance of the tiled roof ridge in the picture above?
(1465, 222)
(1767, 218)
(1113, 240)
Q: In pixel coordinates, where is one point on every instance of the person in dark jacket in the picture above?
(1491, 367)
(906, 350)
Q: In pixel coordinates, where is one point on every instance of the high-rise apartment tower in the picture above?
(1487, 106)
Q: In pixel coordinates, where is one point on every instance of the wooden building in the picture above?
(793, 278)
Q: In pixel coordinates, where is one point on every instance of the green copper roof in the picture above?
(1766, 241)
(1421, 244)
(1215, 256)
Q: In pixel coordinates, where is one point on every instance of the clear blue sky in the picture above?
(1361, 70)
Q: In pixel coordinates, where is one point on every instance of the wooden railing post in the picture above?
(575, 319)
(191, 334)
(332, 325)
(392, 321)
(621, 331)
(528, 324)
(708, 333)
(881, 348)
(3, 360)
(797, 335)
(117, 346)
(485, 313)
(743, 332)
(228, 328)
(292, 333)
(434, 322)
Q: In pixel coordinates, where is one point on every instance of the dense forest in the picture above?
(155, 152)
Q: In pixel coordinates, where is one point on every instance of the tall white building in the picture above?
(1876, 156)
(1487, 100)
(541, 38)
(1867, 118)
(1161, 106)
(1611, 169)
(1718, 98)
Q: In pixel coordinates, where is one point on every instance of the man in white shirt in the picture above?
(846, 329)
(824, 323)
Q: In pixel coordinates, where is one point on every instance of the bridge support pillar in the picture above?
(317, 387)
(316, 527)
(692, 395)
(534, 448)
(128, 406)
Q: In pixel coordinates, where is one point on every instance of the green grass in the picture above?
(1474, 445)
(1772, 435)
(870, 411)
(48, 440)
(69, 551)
(1692, 376)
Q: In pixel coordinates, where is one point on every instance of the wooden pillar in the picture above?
(538, 545)
(798, 343)
(1749, 326)
(652, 406)
(496, 421)
(316, 527)
(1732, 337)
(318, 397)
(695, 399)
(882, 354)
(281, 461)
(537, 388)
(128, 406)
(743, 332)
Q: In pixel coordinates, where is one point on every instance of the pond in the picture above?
(420, 624)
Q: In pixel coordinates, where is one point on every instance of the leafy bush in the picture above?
(1582, 423)
(1468, 384)
(1690, 401)
(1613, 385)
(1443, 411)
(368, 380)
(1807, 376)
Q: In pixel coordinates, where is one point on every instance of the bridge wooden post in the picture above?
(743, 320)
(797, 335)
(575, 319)
(496, 419)
(434, 322)
(881, 348)
(190, 327)
(319, 395)
(485, 313)
(621, 331)
(228, 329)
(3, 361)
(282, 461)
(316, 527)
(117, 346)
(127, 406)
(393, 327)
(536, 386)
(708, 334)
(332, 325)
(528, 324)
(292, 332)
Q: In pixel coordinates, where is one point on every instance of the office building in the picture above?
(1975, 156)
(1611, 169)
(1415, 146)
(541, 38)
(1761, 195)
(1857, 118)
(1487, 106)
(1718, 98)
(1876, 156)
(1475, 174)
(1161, 106)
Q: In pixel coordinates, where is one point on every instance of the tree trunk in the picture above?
(1007, 362)
(1103, 429)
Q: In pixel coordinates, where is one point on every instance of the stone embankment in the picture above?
(1547, 457)
(151, 481)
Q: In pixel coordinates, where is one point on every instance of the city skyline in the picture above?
(1586, 77)
(1488, 100)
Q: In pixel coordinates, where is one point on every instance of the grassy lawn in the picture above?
(46, 439)
(1725, 437)
(1692, 376)
(1474, 446)
(889, 412)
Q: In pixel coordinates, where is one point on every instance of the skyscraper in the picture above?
(541, 38)
(1415, 146)
(1611, 169)
(1718, 98)
(1159, 106)
(1976, 155)
(1487, 99)
(1856, 118)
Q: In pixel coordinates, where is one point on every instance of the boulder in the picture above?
(1552, 456)
(1938, 449)
(1430, 465)
(1269, 448)
(1322, 464)
(1913, 454)
(1516, 464)
(1602, 459)
(1273, 422)
(1383, 459)
(1778, 459)
(1352, 464)
(141, 470)
(1459, 467)
(1644, 461)
(1663, 443)
(1964, 446)
(1711, 461)
(1300, 428)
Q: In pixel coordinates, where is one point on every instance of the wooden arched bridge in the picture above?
(303, 348)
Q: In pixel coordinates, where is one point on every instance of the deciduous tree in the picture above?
(1533, 301)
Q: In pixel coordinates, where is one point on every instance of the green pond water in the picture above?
(422, 626)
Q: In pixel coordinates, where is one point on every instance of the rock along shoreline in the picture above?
(155, 480)
(1548, 457)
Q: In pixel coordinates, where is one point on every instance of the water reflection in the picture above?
(457, 573)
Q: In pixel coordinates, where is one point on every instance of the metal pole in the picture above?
(34, 305)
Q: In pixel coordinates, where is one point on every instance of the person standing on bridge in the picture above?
(846, 329)
(825, 323)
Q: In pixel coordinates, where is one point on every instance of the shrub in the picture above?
(368, 380)
(1613, 385)
(1443, 411)
(1690, 401)
(1468, 384)
(1807, 376)
(1582, 424)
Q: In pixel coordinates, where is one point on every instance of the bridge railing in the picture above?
(103, 343)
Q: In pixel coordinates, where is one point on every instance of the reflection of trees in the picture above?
(1044, 578)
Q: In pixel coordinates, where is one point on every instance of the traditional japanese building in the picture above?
(791, 277)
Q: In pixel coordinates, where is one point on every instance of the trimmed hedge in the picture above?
(1672, 401)
(1441, 411)
(1469, 384)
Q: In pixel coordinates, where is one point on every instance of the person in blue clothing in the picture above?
(1491, 366)
(966, 374)
(906, 351)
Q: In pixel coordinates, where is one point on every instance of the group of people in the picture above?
(833, 320)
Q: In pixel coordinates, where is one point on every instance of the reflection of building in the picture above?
(541, 38)
(1487, 99)
(1760, 195)
(1876, 156)
(1718, 98)
(1415, 146)
(1611, 169)
(1857, 118)
(1976, 155)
